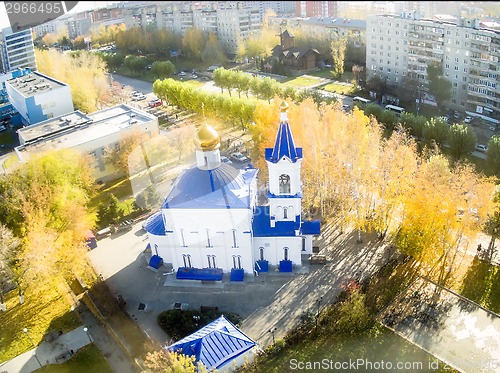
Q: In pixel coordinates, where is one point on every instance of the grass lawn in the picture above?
(340, 88)
(303, 81)
(42, 312)
(481, 284)
(12, 160)
(86, 359)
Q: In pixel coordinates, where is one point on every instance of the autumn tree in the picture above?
(338, 48)
(44, 203)
(462, 140)
(493, 156)
(120, 156)
(439, 86)
(84, 72)
(435, 130)
(9, 246)
(164, 361)
(193, 42)
(213, 51)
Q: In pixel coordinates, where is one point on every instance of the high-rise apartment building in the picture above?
(401, 46)
(316, 8)
(17, 50)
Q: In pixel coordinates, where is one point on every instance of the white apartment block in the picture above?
(400, 46)
(94, 134)
(17, 50)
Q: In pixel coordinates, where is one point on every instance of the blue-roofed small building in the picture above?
(210, 224)
(218, 345)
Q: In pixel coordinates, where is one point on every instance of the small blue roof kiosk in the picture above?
(217, 345)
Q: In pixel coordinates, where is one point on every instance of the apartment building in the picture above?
(92, 134)
(328, 27)
(316, 8)
(17, 50)
(38, 97)
(400, 46)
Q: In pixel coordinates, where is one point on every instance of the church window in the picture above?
(285, 253)
(261, 253)
(234, 238)
(187, 260)
(285, 213)
(211, 261)
(205, 159)
(237, 261)
(209, 243)
(183, 239)
(284, 184)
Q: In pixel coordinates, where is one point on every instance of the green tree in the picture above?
(162, 68)
(462, 140)
(353, 314)
(242, 83)
(193, 42)
(213, 51)
(218, 77)
(338, 48)
(439, 86)
(109, 212)
(493, 156)
(436, 129)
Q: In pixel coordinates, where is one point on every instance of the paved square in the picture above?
(459, 332)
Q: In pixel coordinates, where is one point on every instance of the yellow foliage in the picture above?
(83, 72)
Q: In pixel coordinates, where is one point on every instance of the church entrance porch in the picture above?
(203, 274)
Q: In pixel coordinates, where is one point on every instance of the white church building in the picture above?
(211, 223)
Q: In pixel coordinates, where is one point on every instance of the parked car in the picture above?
(3, 128)
(467, 119)
(182, 73)
(194, 76)
(225, 160)
(139, 97)
(154, 103)
(492, 128)
(481, 148)
(239, 157)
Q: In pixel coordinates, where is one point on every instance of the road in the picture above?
(135, 84)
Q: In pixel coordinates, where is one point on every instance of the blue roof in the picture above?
(222, 187)
(311, 227)
(284, 146)
(261, 225)
(214, 345)
(155, 224)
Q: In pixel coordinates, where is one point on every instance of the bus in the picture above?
(361, 100)
(397, 109)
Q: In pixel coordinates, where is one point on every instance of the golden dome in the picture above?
(206, 138)
(283, 106)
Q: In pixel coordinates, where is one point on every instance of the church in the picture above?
(211, 224)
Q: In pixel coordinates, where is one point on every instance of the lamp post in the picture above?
(29, 337)
(36, 357)
(319, 308)
(86, 330)
(272, 330)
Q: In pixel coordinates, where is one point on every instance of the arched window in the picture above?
(187, 260)
(234, 238)
(211, 261)
(261, 253)
(285, 253)
(285, 212)
(237, 261)
(183, 238)
(284, 184)
(209, 244)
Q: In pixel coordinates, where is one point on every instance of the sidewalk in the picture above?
(60, 349)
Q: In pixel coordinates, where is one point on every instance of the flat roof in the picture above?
(34, 83)
(76, 128)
